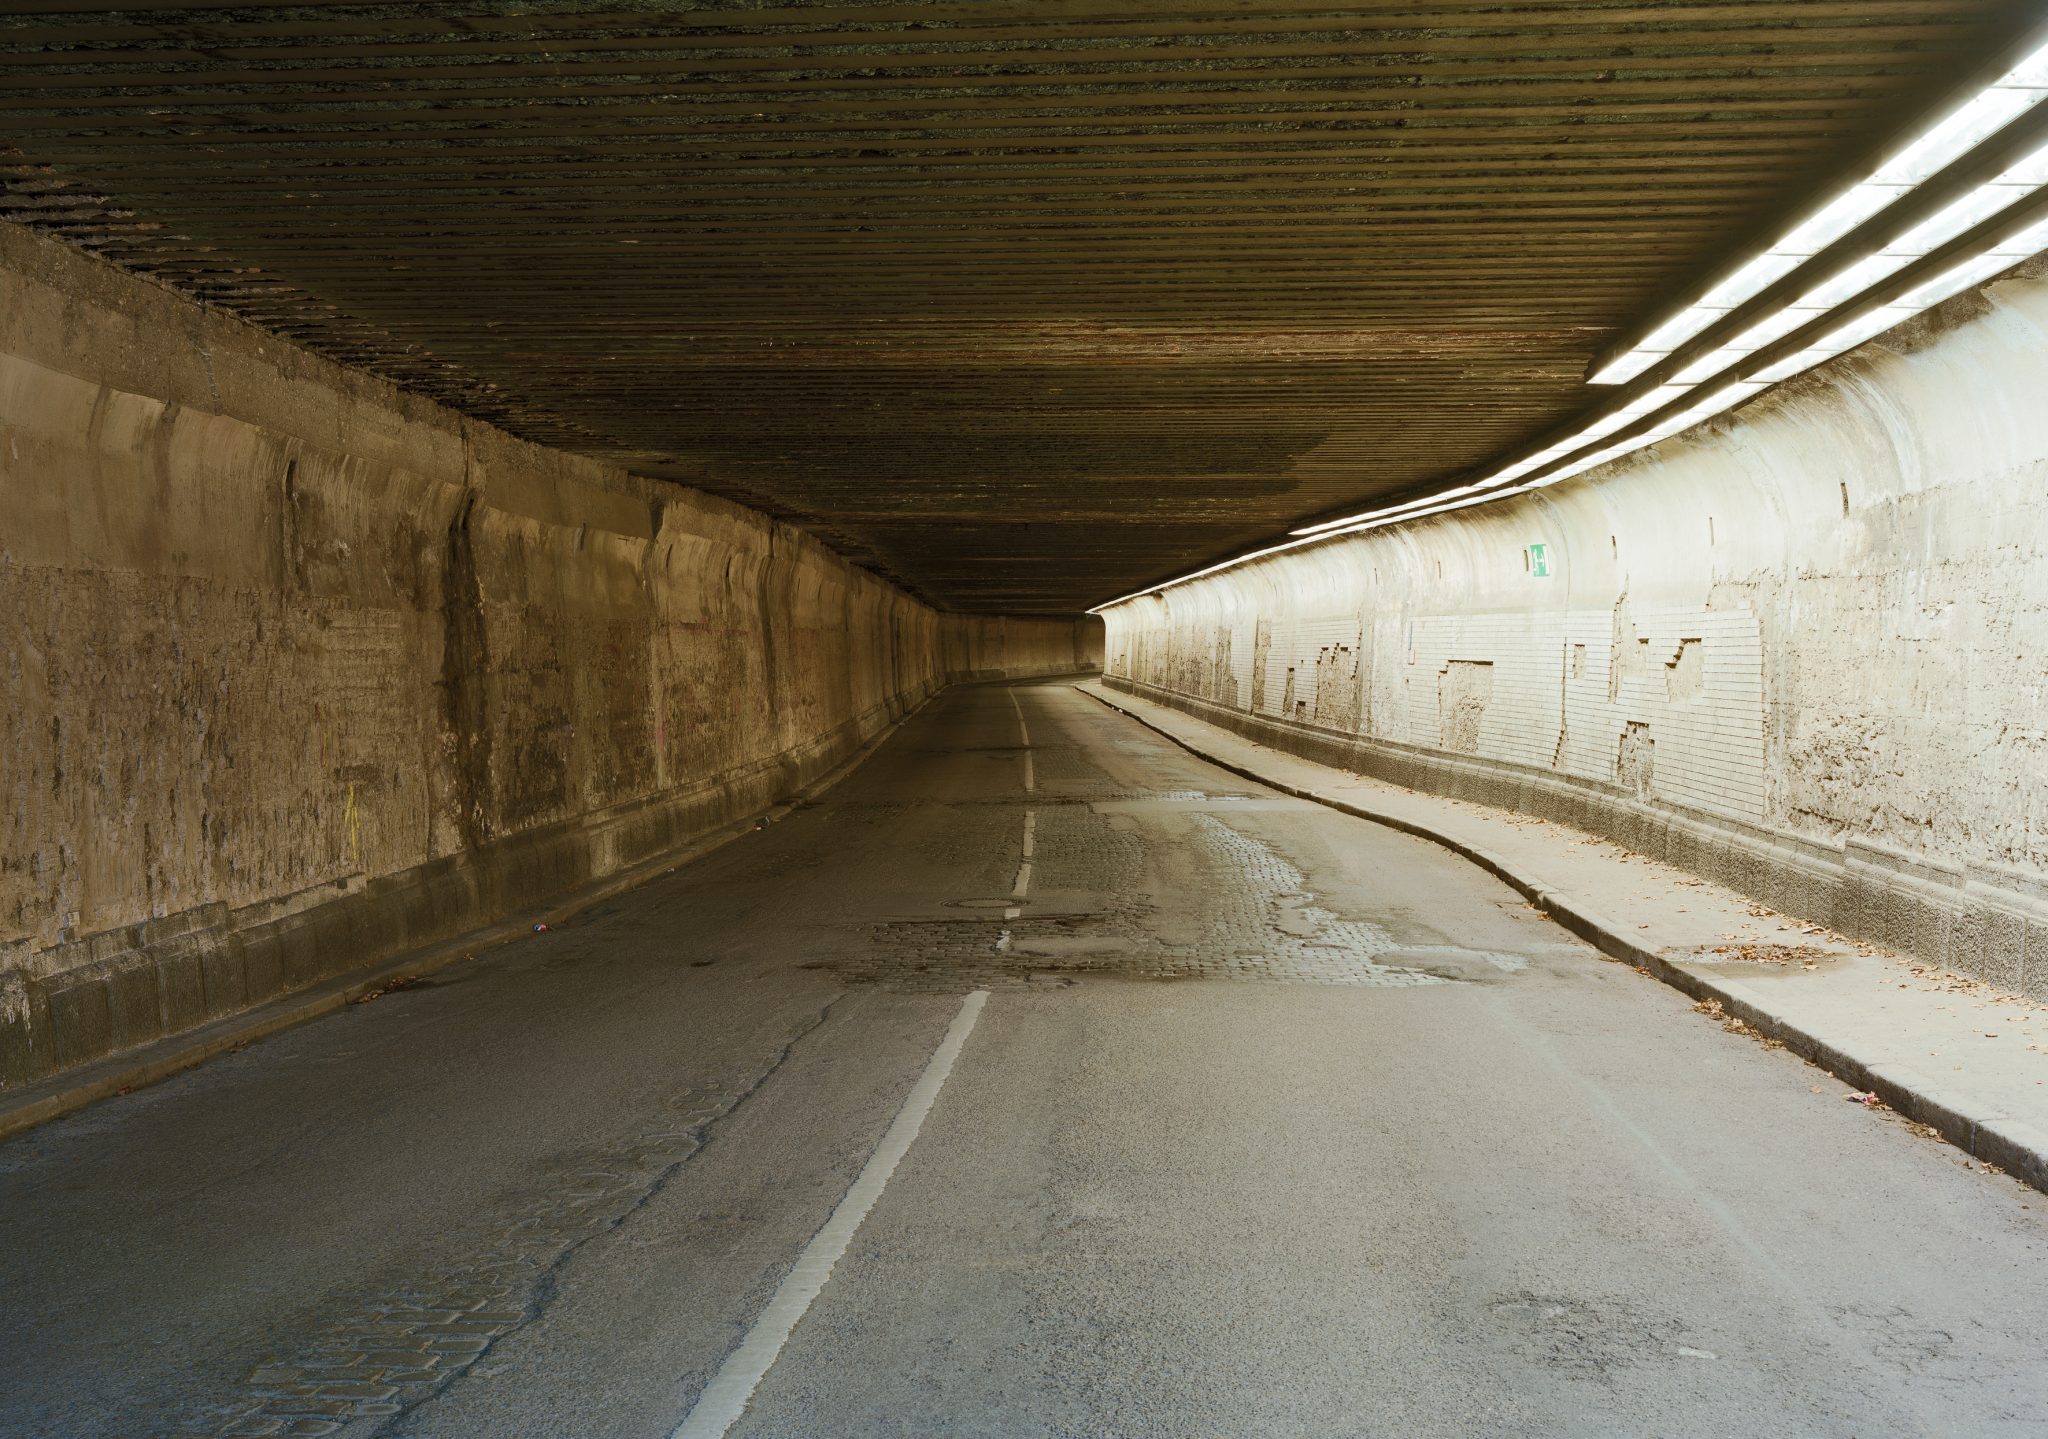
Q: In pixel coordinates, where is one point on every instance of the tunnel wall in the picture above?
(1802, 650)
(302, 671)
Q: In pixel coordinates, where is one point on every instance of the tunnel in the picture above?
(1115, 719)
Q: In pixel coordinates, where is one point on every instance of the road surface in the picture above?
(1039, 1080)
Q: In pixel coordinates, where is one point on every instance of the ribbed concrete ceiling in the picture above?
(1023, 303)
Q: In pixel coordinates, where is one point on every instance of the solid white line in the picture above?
(725, 1398)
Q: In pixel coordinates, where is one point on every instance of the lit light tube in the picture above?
(1972, 122)
(1628, 414)
(2001, 192)
(1957, 278)
(1809, 308)
(1941, 145)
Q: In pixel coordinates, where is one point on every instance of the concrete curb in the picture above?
(64, 1094)
(2013, 1145)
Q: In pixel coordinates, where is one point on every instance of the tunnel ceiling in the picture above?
(1021, 304)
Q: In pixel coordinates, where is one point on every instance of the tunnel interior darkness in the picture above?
(520, 442)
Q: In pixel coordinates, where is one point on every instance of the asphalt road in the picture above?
(1270, 1122)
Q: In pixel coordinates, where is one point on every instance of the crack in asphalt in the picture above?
(400, 1354)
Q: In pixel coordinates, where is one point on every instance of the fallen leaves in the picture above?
(390, 986)
(1753, 953)
(1716, 1011)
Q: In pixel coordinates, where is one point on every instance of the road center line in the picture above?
(1023, 738)
(725, 1398)
(1023, 885)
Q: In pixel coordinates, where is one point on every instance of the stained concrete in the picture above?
(301, 670)
(1795, 649)
(545, 1194)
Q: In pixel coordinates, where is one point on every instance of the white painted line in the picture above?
(725, 1398)
(1023, 738)
(1023, 885)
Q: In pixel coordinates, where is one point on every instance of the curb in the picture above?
(2013, 1145)
(103, 1079)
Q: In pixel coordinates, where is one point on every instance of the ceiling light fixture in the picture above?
(1937, 147)
(1941, 145)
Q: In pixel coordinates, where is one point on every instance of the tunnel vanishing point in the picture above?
(1023, 717)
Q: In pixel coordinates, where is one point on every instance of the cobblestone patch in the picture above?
(1299, 940)
(1262, 925)
(392, 1351)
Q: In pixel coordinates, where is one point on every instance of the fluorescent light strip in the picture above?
(1846, 336)
(1950, 282)
(2018, 180)
(1713, 404)
(2015, 183)
(1466, 496)
(1634, 410)
(1212, 569)
(1972, 122)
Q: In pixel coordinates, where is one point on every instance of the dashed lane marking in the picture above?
(1023, 738)
(1023, 885)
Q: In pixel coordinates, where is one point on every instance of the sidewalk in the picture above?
(1943, 1050)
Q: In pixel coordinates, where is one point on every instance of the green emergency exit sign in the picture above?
(1539, 562)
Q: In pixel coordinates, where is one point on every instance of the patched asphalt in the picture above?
(1276, 1122)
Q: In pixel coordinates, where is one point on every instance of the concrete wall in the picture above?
(300, 671)
(1803, 649)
